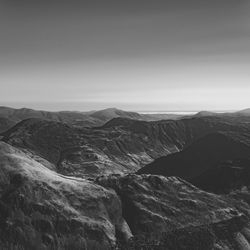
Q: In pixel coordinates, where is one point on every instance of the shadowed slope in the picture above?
(91, 118)
(202, 155)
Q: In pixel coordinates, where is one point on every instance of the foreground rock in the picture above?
(40, 209)
(172, 214)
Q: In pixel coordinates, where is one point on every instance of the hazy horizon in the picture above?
(133, 55)
(55, 108)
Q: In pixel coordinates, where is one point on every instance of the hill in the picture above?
(244, 112)
(86, 119)
(110, 113)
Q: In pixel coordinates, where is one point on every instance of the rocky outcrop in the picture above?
(169, 213)
(40, 209)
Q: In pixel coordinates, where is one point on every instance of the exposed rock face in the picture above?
(174, 212)
(40, 208)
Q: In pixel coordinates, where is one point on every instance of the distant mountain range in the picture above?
(91, 118)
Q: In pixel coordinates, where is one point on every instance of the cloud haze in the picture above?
(138, 54)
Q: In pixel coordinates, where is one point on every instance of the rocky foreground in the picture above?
(42, 209)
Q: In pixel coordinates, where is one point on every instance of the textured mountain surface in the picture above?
(40, 208)
(173, 214)
(225, 177)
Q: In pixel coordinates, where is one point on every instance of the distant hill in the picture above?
(244, 112)
(91, 118)
(111, 113)
(205, 113)
(18, 115)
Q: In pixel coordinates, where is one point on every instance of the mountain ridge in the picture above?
(121, 145)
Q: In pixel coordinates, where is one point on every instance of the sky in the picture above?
(134, 54)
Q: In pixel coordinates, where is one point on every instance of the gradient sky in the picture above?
(133, 54)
